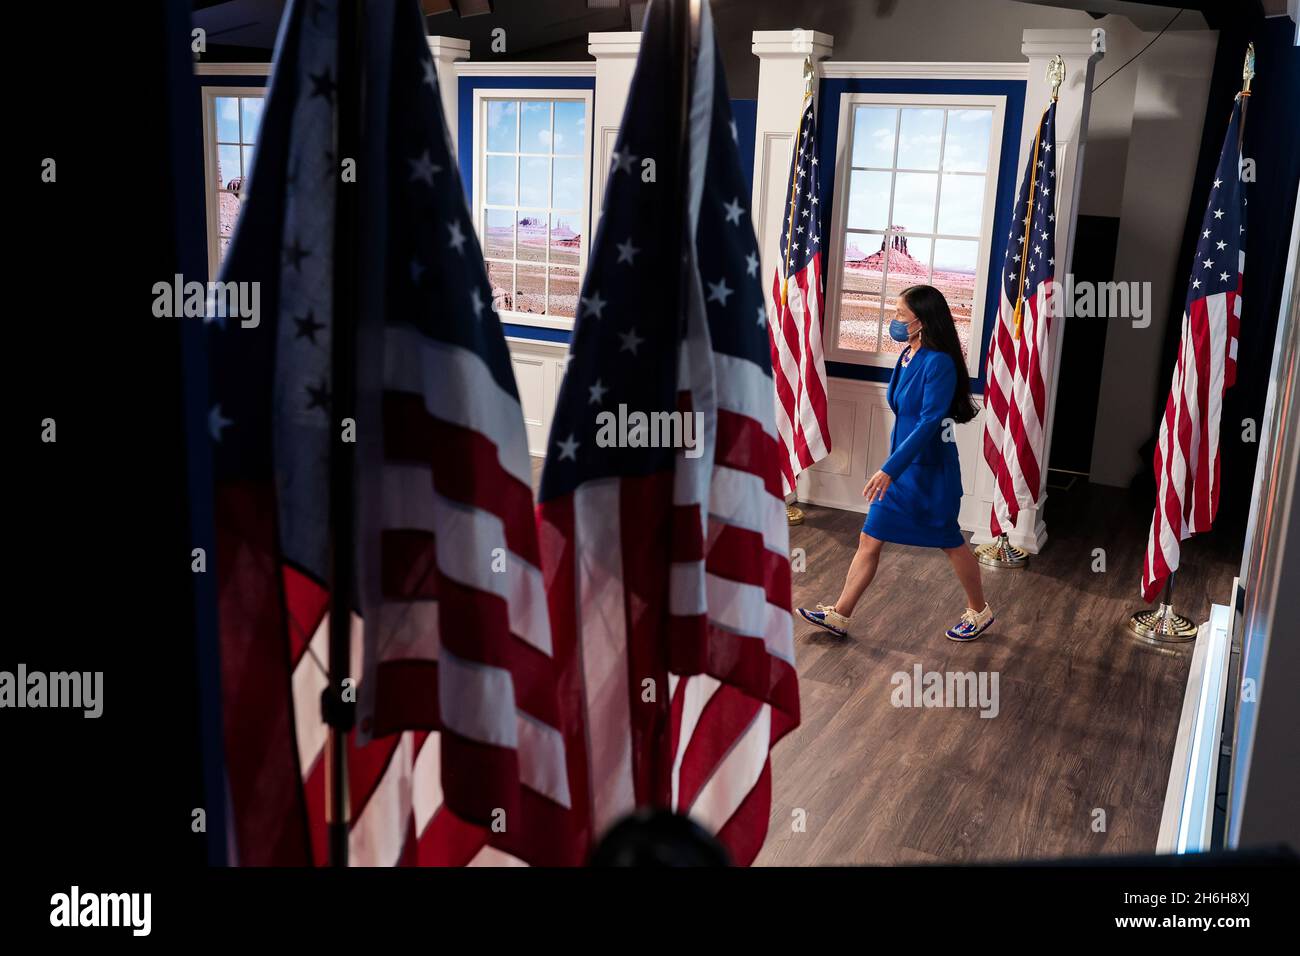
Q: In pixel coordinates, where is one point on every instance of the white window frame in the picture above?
(484, 95)
(839, 215)
(211, 190)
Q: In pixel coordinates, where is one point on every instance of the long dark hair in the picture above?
(938, 332)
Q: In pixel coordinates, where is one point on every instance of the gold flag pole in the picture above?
(1000, 552)
(1162, 624)
(793, 513)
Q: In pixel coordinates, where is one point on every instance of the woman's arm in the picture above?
(937, 390)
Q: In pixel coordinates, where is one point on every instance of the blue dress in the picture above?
(920, 507)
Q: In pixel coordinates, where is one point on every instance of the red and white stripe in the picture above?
(399, 815)
(730, 602)
(799, 369)
(1187, 451)
(1016, 404)
(459, 647)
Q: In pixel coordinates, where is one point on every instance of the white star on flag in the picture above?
(457, 237)
(423, 168)
(630, 341)
(718, 291)
(568, 449)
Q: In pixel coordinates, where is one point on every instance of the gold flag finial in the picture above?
(1248, 69)
(807, 76)
(1056, 74)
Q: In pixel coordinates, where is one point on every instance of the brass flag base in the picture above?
(1001, 553)
(794, 515)
(1162, 625)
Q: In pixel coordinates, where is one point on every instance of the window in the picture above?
(531, 191)
(914, 205)
(231, 120)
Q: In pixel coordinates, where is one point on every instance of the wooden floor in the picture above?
(1087, 714)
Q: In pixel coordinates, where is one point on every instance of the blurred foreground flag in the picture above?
(459, 755)
(663, 525)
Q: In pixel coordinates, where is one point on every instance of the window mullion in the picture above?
(938, 195)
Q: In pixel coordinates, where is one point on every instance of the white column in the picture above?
(781, 54)
(1081, 49)
(447, 51)
(615, 55)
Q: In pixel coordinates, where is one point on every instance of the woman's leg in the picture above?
(967, 567)
(861, 571)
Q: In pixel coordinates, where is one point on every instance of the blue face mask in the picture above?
(898, 330)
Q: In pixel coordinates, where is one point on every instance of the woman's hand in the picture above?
(876, 487)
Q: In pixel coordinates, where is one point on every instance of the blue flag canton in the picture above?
(1223, 229)
(804, 190)
(283, 241)
(628, 324)
(1031, 244)
(726, 246)
(436, 277)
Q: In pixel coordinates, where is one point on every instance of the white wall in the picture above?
(1173, 82)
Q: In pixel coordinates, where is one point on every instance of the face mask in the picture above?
(898, 330)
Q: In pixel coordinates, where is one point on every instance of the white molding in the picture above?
(233, 69)
(541, 346)
(517, 68)
(1067, 42)
(451, 48)
(791, 44)
(839, 219)
(873, 70)
(625, 43)
(483, 95)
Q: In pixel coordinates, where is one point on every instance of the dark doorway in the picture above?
(1083, 349)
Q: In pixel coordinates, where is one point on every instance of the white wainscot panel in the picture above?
(539, 369)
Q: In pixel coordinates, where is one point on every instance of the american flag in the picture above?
(1187, 453)
(668, 575)
(798, 293)
(1016, 383)
(459, 757)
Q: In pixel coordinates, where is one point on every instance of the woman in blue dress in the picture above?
(914, 498)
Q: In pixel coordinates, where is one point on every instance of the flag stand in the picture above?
(338, 712)
(1163, 625)
(1001, 553)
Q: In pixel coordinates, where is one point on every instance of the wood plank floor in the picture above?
(1087, 715)
(1086, 719)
